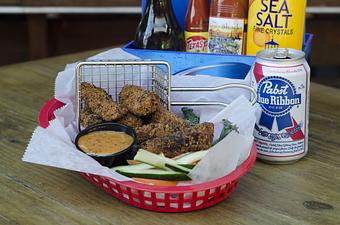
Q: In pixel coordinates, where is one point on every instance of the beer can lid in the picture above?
(280, 54)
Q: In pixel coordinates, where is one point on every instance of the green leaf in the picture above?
(190, 116)
(227, 128)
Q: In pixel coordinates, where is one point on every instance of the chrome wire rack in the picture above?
(155, 76)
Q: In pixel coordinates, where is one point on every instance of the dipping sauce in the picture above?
(104, 142)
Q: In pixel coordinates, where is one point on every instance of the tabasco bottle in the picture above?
(158, 28)
(227, 26)
(196, 26)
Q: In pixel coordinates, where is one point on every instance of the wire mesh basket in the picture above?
(155, 76)
(112, 76)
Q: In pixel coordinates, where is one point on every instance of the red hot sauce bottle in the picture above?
(227, 26)
(196, 26)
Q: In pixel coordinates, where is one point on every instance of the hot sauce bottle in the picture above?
(227, 26)
(196, 26)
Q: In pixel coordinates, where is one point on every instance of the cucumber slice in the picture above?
(189, 166)
(155, 174)
(144, 166)
(175, 168)
(158, 161)
(192, 157)
(141, 166)
(181, 155)
(182, 164)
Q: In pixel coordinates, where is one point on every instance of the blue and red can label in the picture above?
(281, 130)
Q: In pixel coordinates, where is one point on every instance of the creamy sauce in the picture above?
(104, 142)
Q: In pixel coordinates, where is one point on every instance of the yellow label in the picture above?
(275, 24)
(196, 41)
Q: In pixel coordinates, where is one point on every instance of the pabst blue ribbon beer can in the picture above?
(281, 77)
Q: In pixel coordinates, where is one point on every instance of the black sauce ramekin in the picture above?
(115, 159)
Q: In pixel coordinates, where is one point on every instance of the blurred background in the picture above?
(34, 29)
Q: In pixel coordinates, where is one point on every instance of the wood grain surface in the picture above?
(307, 192)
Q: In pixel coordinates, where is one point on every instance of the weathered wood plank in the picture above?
(37, 33)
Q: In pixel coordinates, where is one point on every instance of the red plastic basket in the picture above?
(158, 198)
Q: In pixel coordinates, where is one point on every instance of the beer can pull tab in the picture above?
(281, 53)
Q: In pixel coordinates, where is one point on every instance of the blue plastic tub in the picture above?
(232, 66)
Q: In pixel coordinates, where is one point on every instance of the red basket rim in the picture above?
(46, 114)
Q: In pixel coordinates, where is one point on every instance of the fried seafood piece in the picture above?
(164, 116)
(194, 138)
(100, 102)
(156, 130)
(138, 101)
(131, 120)
(88, 118)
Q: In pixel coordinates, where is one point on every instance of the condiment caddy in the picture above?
(183, 60)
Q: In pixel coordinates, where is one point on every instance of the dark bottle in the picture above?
(158, 28)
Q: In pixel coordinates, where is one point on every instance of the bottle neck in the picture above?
(200, 5)
(229, 8)
(197, 16)
(159, 8)
(159, 4)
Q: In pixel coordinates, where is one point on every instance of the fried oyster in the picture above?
(155, 130)
(194, 138)
(164, 116)
(138, 101)
(131, 120)
(88, 118)
(100, 102)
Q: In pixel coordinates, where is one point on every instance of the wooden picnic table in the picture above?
(307, 192)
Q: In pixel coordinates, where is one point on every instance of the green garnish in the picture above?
(190, 116)
(227, 128)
